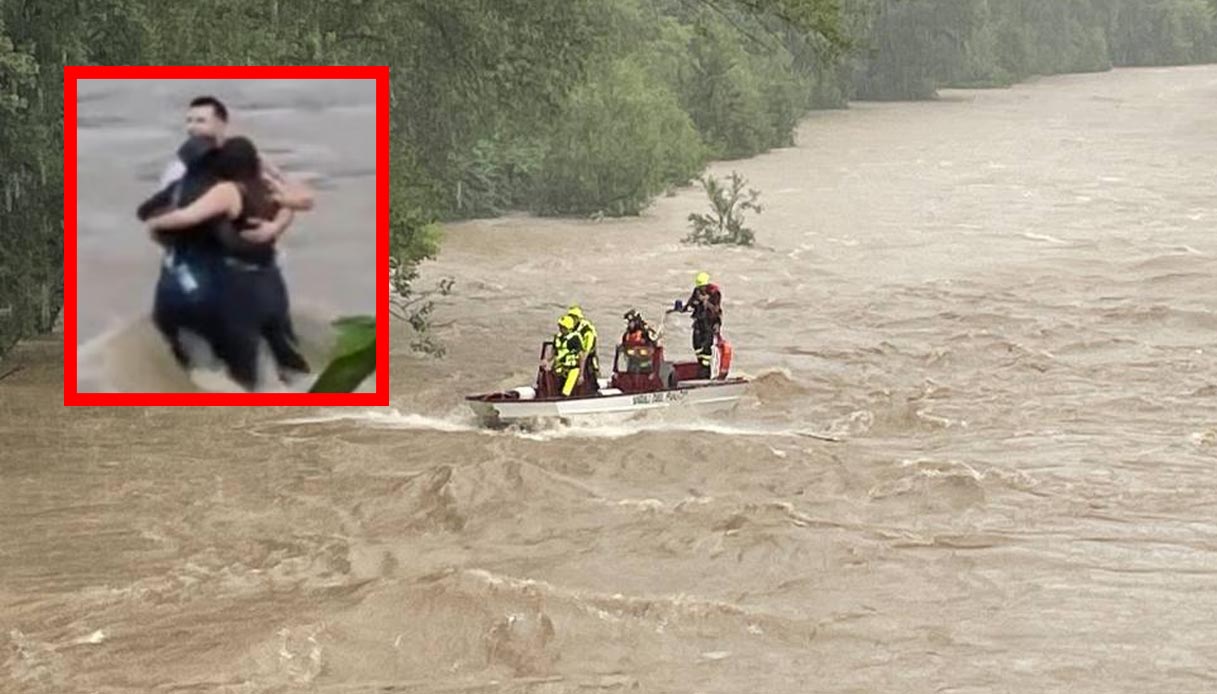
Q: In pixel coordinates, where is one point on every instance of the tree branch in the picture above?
(10, 372)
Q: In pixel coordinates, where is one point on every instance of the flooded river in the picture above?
(1001, 303)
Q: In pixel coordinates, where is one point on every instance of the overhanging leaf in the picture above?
(346, 372)
(354, 356)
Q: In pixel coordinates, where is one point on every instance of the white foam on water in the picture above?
(589, 428)
(389, 420)
(1044, 237)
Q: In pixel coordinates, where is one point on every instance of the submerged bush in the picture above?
(725, 223)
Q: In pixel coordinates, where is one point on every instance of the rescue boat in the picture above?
(642, 380)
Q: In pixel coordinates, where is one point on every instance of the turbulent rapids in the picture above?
(1000, 303)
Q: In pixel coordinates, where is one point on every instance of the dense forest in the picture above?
(560, 107)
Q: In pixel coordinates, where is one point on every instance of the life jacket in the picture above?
(589, 338)
(702, 301)
(587, 333)
(644, 336)
(564, 356)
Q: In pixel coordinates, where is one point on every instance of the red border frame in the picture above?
(71, 74)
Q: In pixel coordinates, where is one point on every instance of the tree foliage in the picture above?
(622, 139)
(557, 106)
(31, 169)
(725, 223)
(909, 48)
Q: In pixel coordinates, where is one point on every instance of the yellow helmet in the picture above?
(566, 322)
(575, 311)
(703, 278)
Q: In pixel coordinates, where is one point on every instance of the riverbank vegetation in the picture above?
(558, 107)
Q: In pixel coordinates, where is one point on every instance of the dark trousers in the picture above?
(230, 305)
(591, 372)
(187, 296)
(703, 344)
(255, 307)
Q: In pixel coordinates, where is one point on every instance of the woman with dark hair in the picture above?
(252, 301)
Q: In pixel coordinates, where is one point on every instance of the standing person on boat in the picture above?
(568, 355)
(589, 364)
(706, 303)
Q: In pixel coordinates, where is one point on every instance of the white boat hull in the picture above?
(702, 396)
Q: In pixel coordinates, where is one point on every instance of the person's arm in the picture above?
(547, 363)
(153, 205)
(269, 170)
(292, 194)
(577, 339)
(267, 231)
(692, 301)
(288, 193)
(220, 200)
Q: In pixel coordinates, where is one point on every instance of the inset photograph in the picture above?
(226, 237)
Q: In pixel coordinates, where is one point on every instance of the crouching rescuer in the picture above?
(569, 355)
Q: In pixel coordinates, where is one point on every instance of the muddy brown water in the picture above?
(1000, 301)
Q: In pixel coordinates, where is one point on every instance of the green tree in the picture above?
(620, 141)
(725, 223)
